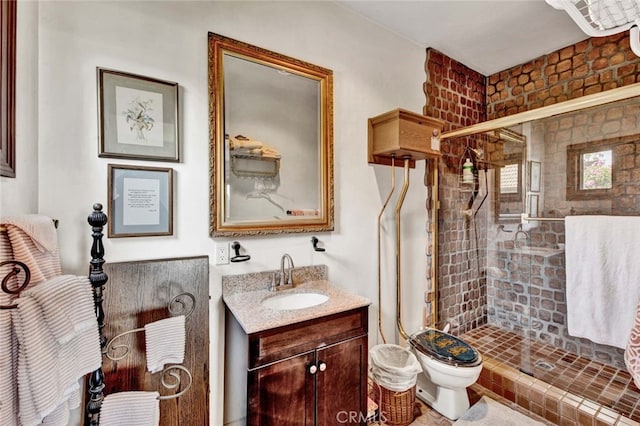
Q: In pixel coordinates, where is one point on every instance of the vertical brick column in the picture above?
(456, 94)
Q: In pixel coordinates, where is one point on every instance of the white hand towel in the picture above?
(165, 342)
(603, 285)
(134, 408)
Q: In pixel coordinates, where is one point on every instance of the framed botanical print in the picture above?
(137, 117)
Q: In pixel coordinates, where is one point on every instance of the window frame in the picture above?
(574, 167)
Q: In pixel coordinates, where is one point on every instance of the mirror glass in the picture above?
(509, 157)
(271, 141)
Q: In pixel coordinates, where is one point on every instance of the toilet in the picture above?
(449, 366)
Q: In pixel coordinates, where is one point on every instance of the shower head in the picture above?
(599, 18)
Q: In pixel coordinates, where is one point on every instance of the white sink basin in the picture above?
(292, 301)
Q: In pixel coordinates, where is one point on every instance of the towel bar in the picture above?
(524, 218)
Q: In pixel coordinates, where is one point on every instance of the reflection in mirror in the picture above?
(271, 141)
(508, 154)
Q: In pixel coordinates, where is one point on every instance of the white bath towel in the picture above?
(135, 408)
(165, 342)
(49, 371)
(603, 277)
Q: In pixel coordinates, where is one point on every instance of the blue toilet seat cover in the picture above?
(444, 347)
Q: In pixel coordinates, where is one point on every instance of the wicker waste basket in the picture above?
(394, 371)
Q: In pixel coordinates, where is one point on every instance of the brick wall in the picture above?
(461, 96)
(456, 94)
(588, 67)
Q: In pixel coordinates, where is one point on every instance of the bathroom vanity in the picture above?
(292, 365)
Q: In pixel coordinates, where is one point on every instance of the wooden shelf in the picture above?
(399, 134)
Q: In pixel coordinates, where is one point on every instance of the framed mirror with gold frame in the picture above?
(271, 141)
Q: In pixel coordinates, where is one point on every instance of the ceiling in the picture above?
(488, 36)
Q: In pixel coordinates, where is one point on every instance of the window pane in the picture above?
(509, 179)
(596, 170)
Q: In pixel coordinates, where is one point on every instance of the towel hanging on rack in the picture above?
(58, 344)
(602, 277)
(632, 352)
(34, 241)
(138, 408)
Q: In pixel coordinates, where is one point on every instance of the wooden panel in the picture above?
(402, 133)
(138, 293)
(342, 387)
(283, 342)
(282, 394)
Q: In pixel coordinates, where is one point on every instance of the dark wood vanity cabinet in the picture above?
(309, 373)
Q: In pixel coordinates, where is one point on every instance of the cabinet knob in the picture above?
(313, 369)
(322, 366)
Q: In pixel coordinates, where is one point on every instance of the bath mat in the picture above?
(491, 413)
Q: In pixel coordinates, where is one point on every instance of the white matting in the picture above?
(491, 413)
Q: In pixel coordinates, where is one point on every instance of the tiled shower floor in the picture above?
(576, 382)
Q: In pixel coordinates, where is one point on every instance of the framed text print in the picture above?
(140, 201)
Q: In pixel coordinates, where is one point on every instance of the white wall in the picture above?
(19, 195)
(374, 71)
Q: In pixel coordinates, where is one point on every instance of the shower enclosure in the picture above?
(532, 169)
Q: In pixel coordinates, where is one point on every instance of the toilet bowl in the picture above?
(449, 366)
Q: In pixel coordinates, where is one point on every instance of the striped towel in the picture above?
(53, 296)
(48, 370)
(135, 408)
(165, 342)
(8, 346)
(34, 242)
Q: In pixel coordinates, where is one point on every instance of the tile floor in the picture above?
(581, 387)
(574, 392)
(425, 416)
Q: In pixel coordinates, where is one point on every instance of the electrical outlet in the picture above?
(222, 253)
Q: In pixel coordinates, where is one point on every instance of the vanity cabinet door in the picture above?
(342, 382)
(282, 393)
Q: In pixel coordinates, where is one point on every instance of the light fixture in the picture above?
(599, 18)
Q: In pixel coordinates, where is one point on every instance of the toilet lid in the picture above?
(445, 347)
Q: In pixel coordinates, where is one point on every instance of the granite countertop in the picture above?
(243, 298)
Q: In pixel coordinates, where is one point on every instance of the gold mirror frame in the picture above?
(322, 218)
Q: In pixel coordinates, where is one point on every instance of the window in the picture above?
(595, 170)
(510, 179)
(592, 166)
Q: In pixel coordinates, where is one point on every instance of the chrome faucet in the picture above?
(521, 231)
(286, 275)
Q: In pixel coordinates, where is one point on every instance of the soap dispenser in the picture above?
(467, 171)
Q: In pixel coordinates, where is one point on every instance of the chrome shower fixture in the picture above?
(599, 18)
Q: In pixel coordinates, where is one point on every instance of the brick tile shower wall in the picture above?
(590, 66)
(461, 97)
(456, 94)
